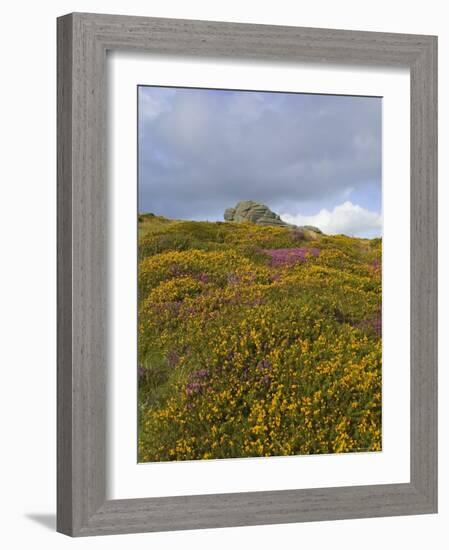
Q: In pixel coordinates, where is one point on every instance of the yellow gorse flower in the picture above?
(238, 357)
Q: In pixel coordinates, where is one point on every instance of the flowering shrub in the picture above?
(255, 343)
(282, 256)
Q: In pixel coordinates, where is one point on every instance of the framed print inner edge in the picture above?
(130, 479)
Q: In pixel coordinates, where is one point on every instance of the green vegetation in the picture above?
(256, 341)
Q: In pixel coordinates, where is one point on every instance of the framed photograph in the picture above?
(247, 274)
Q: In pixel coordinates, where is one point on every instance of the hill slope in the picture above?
(254, 341)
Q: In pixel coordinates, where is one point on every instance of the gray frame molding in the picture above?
(83, 40)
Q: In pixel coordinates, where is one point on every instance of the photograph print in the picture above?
(259, 274)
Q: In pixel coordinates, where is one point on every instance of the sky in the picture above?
(314, 159)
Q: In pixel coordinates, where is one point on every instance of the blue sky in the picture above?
(314, 159)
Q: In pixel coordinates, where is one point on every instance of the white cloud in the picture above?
(201, 151)
(154, 101)
(347, 218)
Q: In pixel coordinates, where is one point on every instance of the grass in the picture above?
(256, 341)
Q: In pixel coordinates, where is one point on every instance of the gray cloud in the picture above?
(201, 151)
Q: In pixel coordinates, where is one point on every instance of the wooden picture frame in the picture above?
(83, 40)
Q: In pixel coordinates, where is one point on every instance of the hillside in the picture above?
(256, 341)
